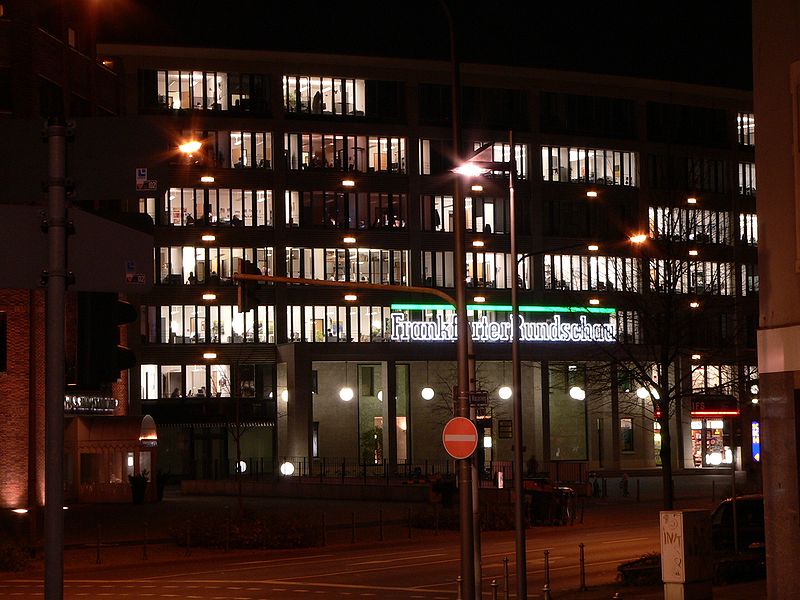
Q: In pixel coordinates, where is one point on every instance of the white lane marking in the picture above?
(388, 560)
(638, 539)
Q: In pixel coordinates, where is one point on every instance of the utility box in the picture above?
(687, 566)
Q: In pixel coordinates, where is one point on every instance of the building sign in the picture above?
(755, 432)
(708, 405)
(89, 404)
(553, 327)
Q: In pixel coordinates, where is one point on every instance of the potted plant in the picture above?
(138, 483)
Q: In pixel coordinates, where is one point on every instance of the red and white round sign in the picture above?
(460, 437)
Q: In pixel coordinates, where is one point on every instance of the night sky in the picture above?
(700, 41)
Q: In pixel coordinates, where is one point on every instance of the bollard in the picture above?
(616, 596)
(380, 522)
(605, 488)
(188, 537)
(583, 504)
(227, 529)
(458, 587)
(97, 557)
(494, 589)
(353, 532)
(713, 492)
(144, 546)
(409, 522)
(546, 586)
(583, 587)
(637, 491)
(324, 531)
(506, 590)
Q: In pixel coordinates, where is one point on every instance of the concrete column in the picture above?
(780, 399)
(299, 408)
(389, 408)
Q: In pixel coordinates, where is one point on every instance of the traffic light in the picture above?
(245, 300)
(100, 357)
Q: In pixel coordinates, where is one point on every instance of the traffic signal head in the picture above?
(245, 300)
(100, 357)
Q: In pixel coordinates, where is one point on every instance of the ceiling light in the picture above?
(349, 240)
(350, 297)
(477, 188)
(470, 170)
(696, 357)
(593, 247)
(477, 243)
(594, 301)
(209, 296)
(591, 194)
(639, 238)
(348, 183)
(210, 355)
(207, 179)
(693, 252)
(694, 304)
(691, 200)
(208, 237)
(479, 299)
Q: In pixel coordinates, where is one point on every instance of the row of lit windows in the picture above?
(692, 277)
(190, 265)
(338, 323)
(694, 225)
(185, 381)
(231, 149)
(368, 154)
(589, 165)
(483, 270)
(210, 90)
(349, 264)
(342, 210)
(747, 179)
(212, 207)
(486, 215)
(590, 273)
(198, 324)
(323, 95)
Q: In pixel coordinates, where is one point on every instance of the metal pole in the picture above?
(546, 588)
(464, 466)
(516, 385)
(494, 589)
(583, 587)
(476, 516)
(505, 577)
(54, 361)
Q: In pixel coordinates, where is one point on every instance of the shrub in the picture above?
(645, 570)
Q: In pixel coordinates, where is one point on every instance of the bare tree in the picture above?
(681, 304)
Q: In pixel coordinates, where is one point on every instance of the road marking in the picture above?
(376, 562)
(638, 539)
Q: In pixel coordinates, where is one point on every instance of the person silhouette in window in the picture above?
(192, 279)
(316, 103)
(189, 219)
(236, 220)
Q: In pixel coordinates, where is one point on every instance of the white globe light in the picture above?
(287, 468)
(504, 392)
(380, 396)
(242, 466)
(754, 388)
(577, 393)
(427, 393)
(285, 395)
(643, 393)
(654, 394)
(346, 394)
(715, 458)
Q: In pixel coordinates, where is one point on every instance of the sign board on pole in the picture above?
(460, 437)
(686, 564)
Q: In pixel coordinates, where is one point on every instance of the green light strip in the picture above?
(507, 308)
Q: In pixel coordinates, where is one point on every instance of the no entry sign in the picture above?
(460, 437)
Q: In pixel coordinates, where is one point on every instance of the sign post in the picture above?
(460, 438)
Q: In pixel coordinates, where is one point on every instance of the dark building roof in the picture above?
(693, 42)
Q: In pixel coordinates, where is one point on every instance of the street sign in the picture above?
(147, 185)
(460, 437)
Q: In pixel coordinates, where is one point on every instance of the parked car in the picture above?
(750, 524)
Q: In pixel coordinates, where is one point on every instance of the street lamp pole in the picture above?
(462, 352)
(516, 389)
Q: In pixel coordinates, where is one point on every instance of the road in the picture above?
(425, 567)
